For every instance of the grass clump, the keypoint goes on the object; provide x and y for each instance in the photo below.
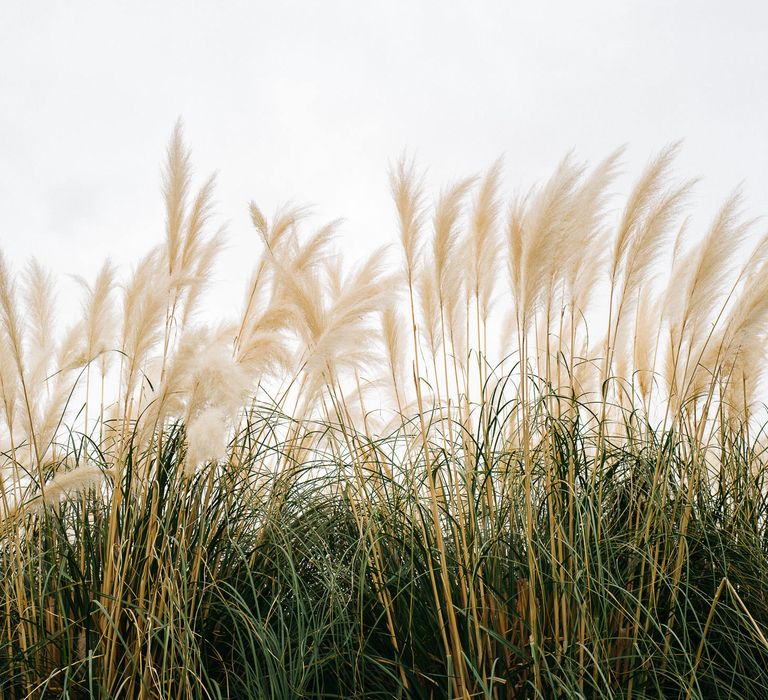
(329, 497)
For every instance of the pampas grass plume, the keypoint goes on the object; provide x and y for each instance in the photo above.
(75, 480)
(206, 439)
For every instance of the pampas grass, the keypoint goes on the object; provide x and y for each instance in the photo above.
(521, 456)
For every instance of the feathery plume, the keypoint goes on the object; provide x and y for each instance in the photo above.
(484, 241)
(587, 248)
(391, 323)
(206, 439)
(75, 480)
(144, 306)
(445, 239)
(543, 228)
(11, 321)
(407, 192)
(98, 313)
(38, 294)
(176, 183)
(700, 277)
(651, 237)
(650, 184)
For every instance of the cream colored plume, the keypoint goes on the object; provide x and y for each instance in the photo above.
(485, 244)
(99, 314)
(206, 439)
(407, 192)
(75, 480)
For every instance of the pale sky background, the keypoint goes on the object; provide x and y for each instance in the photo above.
(311, 101)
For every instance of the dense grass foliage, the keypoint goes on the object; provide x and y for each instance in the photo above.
(327, 582)
(329, 498)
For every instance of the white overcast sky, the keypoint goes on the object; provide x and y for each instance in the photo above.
(310, 102)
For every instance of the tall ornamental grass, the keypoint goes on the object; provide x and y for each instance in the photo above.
(520, 455)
